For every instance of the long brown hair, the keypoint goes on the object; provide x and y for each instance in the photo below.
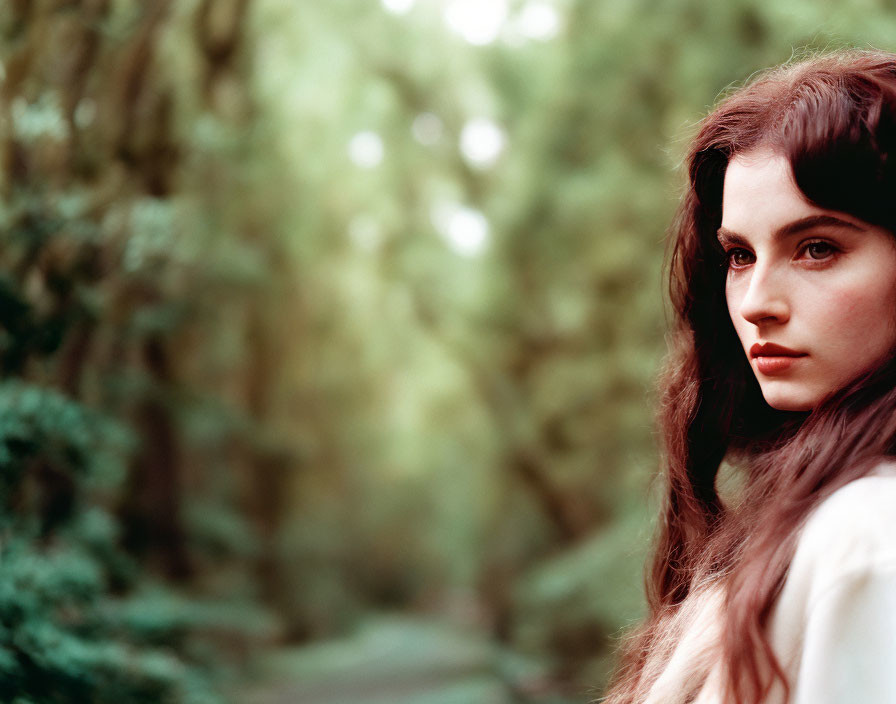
(834, 118)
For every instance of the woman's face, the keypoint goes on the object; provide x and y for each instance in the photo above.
(811, 292)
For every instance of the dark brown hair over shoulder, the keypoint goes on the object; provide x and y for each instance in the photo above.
(834, 118)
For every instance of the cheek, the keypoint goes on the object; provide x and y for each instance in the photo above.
(858, 315)
(733, 299)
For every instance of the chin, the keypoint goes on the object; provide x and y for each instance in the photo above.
(781, 400)
(793, 407)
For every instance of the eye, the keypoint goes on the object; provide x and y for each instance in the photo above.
(738, 257)
(819, 250)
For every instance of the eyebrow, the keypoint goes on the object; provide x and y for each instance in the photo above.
(808, 223)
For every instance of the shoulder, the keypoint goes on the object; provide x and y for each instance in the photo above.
(853, 531)
(836, 615)
(869, 499)
(858, 513)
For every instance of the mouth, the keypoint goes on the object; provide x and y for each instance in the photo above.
(773, 359)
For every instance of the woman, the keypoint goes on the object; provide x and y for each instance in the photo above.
(783, 281)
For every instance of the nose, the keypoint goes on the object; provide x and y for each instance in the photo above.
(766, 297)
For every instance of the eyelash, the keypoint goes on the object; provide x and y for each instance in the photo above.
(802, 250)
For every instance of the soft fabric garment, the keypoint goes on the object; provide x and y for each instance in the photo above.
(834, 623)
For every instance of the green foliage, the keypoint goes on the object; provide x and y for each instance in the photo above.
(43, 427)
(101, 272)
(478, 421)
(59, 640)
(271, 333)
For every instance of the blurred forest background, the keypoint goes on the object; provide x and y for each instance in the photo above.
(328, 332)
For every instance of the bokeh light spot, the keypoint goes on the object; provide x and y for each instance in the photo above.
(482, 141)
(427, 129)
(539, 20)
(398, 7)
(464, 229)
(366, 149)
(479, 22)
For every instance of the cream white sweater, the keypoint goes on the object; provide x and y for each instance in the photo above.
(834, 624)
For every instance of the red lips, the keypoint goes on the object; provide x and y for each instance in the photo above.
(774, 359)
(769, 349)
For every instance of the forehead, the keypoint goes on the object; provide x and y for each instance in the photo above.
(760, 196)
(759, 192)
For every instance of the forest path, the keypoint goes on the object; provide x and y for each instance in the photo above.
(399, 660)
